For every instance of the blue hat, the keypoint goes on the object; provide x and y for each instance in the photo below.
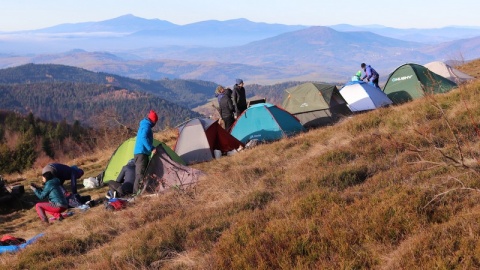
(239, 81)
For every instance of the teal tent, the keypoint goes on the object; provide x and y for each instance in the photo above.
(265, 122)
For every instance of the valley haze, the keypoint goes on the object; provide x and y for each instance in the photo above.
(221, 51)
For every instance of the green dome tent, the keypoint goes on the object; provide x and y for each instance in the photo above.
(125, 152)
(315, 104)
(412, 81)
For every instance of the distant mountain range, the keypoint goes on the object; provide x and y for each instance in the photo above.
(427, 36)
(221, 51)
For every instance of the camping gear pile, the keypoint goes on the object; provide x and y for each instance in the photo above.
(9, 193)
(12, 244)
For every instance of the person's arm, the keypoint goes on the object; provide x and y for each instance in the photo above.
(231, 108)
(369, 73)
(235, 98)
(43, 193)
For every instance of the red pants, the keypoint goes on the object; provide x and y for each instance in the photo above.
(43, 207)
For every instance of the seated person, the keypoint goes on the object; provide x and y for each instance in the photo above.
(124, 183)
(57, 203)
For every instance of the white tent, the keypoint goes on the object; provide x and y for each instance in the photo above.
(362, 96)
(448, 72)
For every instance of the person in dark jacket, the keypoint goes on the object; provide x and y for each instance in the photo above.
(64, 172)
(239, 98)
(57, 203)
(219, 92)
(370, 74)
(125, 180)
(143, 147)
(227, 109)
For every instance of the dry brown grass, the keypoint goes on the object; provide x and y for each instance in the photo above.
(382, 190)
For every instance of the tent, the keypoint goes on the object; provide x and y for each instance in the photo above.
(265, 122)
(412, 81)
(163, 173)
(362, 96)
(198, 138)
(125, 152)
(315, 104)
(448, 72)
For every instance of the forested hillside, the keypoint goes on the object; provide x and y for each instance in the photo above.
(96, 105)
(26, 139)
(187, 93)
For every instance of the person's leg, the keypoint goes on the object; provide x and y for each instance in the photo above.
(46, 207)
(73, 184)
(114, 186)
(141, 162)
(55, 211)
(228, 122)
(39, 207)
(375, 82)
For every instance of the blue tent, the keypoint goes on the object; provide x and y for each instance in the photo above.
(265, 122)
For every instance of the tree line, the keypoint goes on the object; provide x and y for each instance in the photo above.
(25, 138)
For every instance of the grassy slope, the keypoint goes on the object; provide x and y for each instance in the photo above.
(392, 188)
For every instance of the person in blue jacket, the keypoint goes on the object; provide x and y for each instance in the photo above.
(57, 203)
(143, 147)
(370, 74)
(64, 172)
(125, 180)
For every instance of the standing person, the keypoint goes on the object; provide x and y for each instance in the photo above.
(57, 203)
(219, 92)
(239, 98)
(370, 74)
(143, 147)
(64, 172)
(227, 109)
(125, 180)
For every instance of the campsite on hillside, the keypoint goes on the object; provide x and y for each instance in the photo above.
(377, 189)
(248, 135)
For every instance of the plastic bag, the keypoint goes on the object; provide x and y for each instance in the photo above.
(90, 182)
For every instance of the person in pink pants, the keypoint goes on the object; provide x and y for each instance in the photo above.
(57, 203)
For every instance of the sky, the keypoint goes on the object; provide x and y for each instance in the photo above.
(35, 14)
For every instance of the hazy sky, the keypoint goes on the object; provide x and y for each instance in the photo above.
(34, 14)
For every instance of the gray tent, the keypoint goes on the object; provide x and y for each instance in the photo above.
(198, 138)
(163, 173)
(448, 72)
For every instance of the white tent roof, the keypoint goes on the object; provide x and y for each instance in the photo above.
(362, 96)
(448, 72)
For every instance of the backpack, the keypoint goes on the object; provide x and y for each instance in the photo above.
(115, 204)
(8, 240)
